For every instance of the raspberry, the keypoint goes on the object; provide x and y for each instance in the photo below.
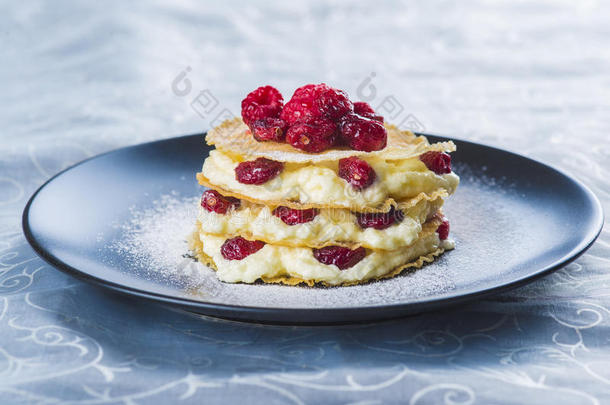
(365, 110)
(379, 220)
(438, 162)
(313, 135)
(257, 171)
(341, 257)
(356, 172)
(301, 105)
(269, 129)
(443, 229)
(333, 102)
(314, 101)
(292, 216)
(263, 102)
(239, 248)
(362, 133)
(213, 201)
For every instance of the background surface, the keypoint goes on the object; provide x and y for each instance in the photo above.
(81, 79)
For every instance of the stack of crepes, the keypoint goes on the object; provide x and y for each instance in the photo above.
(309, 225)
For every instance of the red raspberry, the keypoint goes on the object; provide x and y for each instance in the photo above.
(263, 102)
(292, 216)
(239, 248)
(257, 171)
(333, 102)
(365, 110)
(314, 101)
(443, 229)
(362, 133)
(313, 135)
(269, 129)
(438, 162)
(341, 257)
(301, 105)
(213, 201)
(356, 172)
(379, 220)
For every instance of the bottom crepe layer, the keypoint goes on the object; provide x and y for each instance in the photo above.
(297, 265)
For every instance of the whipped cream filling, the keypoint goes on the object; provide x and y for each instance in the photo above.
(281, 261)
(319, 182)
(329, 227)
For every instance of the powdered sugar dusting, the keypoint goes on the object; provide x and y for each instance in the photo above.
(156, 238)
(153, 244)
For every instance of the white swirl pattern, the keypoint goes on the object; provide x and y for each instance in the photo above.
(80, 79)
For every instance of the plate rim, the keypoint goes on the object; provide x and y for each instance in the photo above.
(434, 302)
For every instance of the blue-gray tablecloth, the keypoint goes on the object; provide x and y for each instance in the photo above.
(78, 79)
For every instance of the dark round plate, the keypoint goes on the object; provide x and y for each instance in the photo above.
(514, 220)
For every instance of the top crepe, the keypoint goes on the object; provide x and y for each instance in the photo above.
(234, 136)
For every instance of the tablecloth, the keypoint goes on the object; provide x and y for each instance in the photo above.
(78, 79)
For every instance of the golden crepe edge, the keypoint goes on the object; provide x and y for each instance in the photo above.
(233, 136)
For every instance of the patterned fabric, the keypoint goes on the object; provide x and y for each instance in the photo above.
(79, 79)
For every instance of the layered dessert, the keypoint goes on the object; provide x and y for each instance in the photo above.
(319, 190)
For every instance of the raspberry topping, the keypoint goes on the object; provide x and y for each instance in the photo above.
(379, 220)
(302, 104)
(365, 110)
(356, 172)
(443, 229)
(312, 135)
(306, 120)
(213, 201)
(333, 102)
(257, 171)
(438, 162)
(341, 257)
(292, 216)
(263, 102)
(269, 129)
(239, 248)
(316, 100)
(362, 133)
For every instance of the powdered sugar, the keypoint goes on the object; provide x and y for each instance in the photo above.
(155, 238)
(153, 244)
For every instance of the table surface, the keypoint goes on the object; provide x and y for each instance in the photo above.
(80, 79)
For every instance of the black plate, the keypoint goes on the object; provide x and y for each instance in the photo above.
(514, 220)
